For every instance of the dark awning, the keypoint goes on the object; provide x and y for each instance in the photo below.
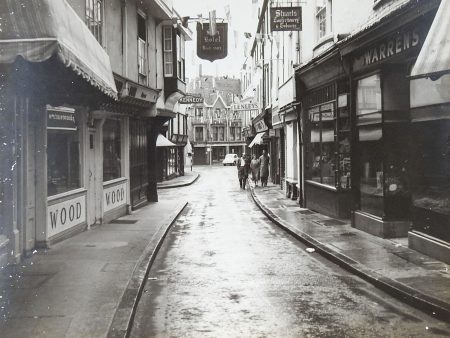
(36, 30)
(434, 57)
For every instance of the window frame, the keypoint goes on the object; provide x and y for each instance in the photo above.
(96, 21)
(168, 41)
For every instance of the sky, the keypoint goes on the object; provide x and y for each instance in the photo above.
(241, 21)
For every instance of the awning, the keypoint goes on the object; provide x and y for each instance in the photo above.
(434, 57)
(257, 140)
(162, 141)
(39, 29)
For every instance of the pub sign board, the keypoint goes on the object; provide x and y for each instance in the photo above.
(189, 99)
(286, 19)
(212, 47)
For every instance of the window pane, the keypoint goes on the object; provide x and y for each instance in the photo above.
(368, 95)
(111, 150)
(63, 161)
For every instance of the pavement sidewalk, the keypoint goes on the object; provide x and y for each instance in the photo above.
(87, 285)
(389, 264)
(180, 181)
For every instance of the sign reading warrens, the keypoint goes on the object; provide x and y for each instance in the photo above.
(189, 99)
(114, 196)
(64, 215)
(212, 47)
(286, 19)
(244, 106)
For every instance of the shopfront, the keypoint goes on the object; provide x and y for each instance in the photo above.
(46, 101)
(381, 153)
(324, 90)
(430, 143)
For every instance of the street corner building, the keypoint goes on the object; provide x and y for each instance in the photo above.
(355, 112)
(85, 89)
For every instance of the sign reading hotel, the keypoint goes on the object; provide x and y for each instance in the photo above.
(64, 215)
(212, 47)
(390, 47)
(190, 99)
(244, 106)
(286, 19)
(114, 196)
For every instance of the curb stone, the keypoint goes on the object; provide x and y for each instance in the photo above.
(123, 318)
(413, 297)
(180, 184)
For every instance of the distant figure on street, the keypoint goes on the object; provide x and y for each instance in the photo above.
(243, 166)
(264, 168)
(254, 166)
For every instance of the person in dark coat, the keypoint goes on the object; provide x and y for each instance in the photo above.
(243, 166)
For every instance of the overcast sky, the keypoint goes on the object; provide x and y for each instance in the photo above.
(241, 21)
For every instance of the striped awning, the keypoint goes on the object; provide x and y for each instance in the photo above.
(36, 30)
(434, 57)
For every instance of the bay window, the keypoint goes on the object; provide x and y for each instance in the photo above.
(168, 51)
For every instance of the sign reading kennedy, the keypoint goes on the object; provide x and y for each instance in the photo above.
(188, 99)
(212, 47)
(286, 19)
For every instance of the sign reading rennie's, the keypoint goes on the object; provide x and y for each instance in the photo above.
(286, 19)
(212, 47)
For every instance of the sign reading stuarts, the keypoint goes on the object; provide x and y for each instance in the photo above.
(286, 19)
(212, 47)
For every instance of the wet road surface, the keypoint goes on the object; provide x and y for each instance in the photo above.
(226, 270)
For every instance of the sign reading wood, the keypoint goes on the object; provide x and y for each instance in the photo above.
(212, 47)
(189, 99)
(286, 19)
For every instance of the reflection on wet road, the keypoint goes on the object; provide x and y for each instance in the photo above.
(225, 270)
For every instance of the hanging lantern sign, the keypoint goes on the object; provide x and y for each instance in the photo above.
(286, 19)
(212, 47)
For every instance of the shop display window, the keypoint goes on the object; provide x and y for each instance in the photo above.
(171, 161)
(431, 177)
(368, 111)
(112, 150)
(344, 155)
(63, 161)
(323, 146)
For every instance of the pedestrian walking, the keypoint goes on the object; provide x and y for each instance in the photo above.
(264, 168)
(243, 166)
(254, 167)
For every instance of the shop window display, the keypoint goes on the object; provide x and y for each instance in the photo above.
(431, 178)
(368, 107)
(323, 146)
(63, 161)
(111, 150)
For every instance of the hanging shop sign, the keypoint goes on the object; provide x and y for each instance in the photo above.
(61, 118)
(244, 106)
(189, 99)
(212, 47)
(286, 19)
(260, 126)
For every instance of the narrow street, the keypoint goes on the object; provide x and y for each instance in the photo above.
(226, 270)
